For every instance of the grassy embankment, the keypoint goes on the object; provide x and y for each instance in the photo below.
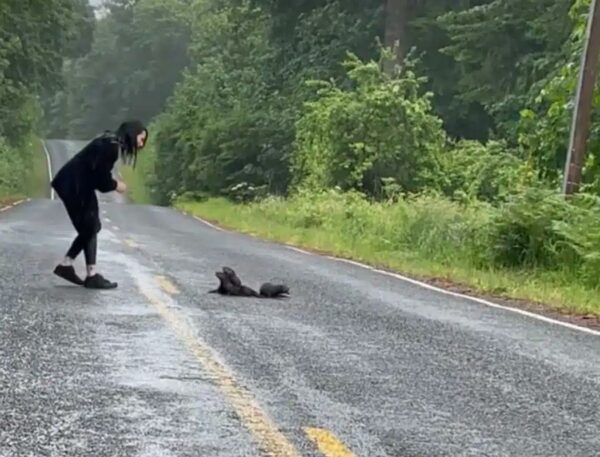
(408, 239)
(23, 173)
(136, 178)
(426, 238)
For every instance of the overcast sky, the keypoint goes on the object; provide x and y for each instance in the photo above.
(95, 3)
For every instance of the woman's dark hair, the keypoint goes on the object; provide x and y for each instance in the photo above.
(127, 134)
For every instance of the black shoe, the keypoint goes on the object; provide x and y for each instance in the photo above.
(68, 274)
(98, 282)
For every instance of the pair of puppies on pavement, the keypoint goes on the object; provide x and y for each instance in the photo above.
(230, 284)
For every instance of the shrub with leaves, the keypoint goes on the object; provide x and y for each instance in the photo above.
(420, 226)
(216, 131)
(524, 232)
(473, 170)
(380, 128)
(13, 169)
(582, 233)
(545, 122)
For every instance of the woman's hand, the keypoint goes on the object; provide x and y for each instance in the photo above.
(121, 187)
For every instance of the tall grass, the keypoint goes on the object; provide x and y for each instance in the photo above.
(38, 181)
(139, 179)
(532, 247)
(23, 170)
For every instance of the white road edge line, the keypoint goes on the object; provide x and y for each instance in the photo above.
(209, 224)
(49, 169)
(437, 289)
(7, 207)
(12, 205)
(468, 297)
(301, 251)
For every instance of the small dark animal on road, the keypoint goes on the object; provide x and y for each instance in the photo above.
(230, 284)
(233, 277)
(270, 290)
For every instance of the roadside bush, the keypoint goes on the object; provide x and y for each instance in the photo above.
(13, 169)
(430, 226)
(524, 233)
(534, 230)
(489, 172)
(381, 127)
(582, 233)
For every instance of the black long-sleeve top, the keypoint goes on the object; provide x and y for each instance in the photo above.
(89, 170)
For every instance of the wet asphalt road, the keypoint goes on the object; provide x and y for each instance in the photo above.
(158, 367)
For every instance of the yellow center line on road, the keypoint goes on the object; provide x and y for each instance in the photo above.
(267, 435)
(167, 285)
(130, 243)
(328, 443)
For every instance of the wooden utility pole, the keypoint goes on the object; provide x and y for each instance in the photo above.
(583, 102)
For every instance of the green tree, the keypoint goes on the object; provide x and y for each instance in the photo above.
(137, 57)
(35, 37)
(504, 50)
(218, 126)
(546, 120)
(381, 128)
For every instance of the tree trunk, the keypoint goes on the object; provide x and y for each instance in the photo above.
(395, 12)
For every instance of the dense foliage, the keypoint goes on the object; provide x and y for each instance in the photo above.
(35, 38)
(254, 94)
(351, 138)
(251, 98)
(138, 53)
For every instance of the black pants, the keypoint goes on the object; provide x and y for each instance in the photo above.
(86, 220)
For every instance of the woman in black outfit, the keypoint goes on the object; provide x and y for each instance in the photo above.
(76, 184)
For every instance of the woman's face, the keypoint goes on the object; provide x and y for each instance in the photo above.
(141, 140)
